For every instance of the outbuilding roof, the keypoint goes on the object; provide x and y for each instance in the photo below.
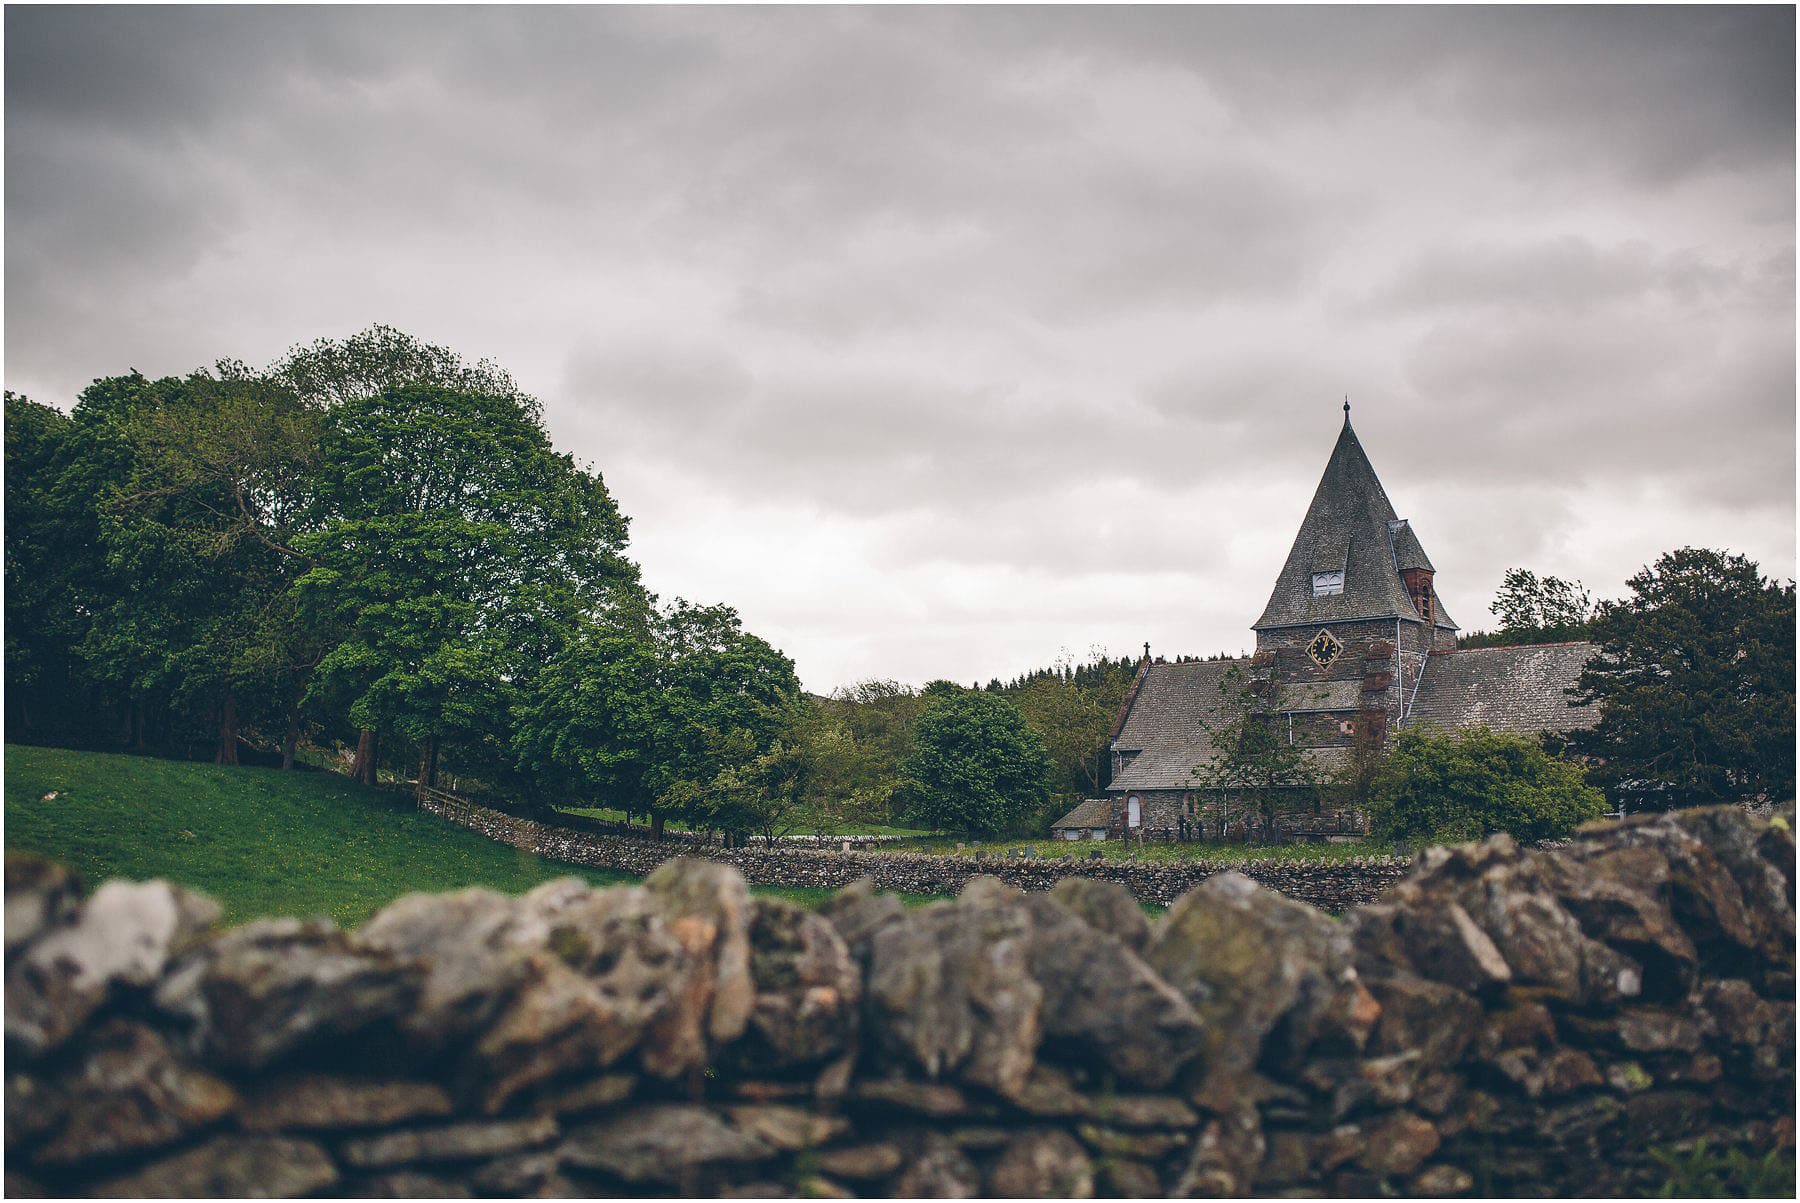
(1514, 689)
(1092, 813)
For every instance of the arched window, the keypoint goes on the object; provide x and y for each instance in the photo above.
(1134, 811)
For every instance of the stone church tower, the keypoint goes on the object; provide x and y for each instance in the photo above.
(1341, 646)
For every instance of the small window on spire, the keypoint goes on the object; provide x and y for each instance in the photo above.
(1327, 583)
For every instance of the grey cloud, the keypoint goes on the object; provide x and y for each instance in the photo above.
(990, 295)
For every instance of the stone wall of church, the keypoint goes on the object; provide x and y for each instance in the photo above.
(1367, 657)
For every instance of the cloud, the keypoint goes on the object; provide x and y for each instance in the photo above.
(937, 339)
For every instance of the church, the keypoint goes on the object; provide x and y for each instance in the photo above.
(1353, 644)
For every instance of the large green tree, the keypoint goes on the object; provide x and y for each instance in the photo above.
(451, 542)
(1469, 784)
(976, 765)
(1695, 685)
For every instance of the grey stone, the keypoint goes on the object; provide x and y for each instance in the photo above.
(789, 1129)
(322, 1102)
(1226, 1157)
(1621, 896)
(409, 1184)
(1550, 1073)
(123, 936)
(1043, 1163)
(937, 1169)
(1397, 1144)
(1440, 1182)
(859, 1163)
(808, 991)
(1105, 906)
(1437, 1020)
(1144, 1111)
(258, 993)
(1118, 1142)
(126, 1094)
(468, 1141)
(707, 907)
(1049, 1092)
(595, 1094)
(1130, 1179)
(1445, 945)
(1656, 1030)
(1103, 1004)
(858, 912)
(950, 991)
(473, 965)
(1267, 976)
(664, 1143)
(242, 1167)
(519, 1175)
(933, 1099)
(41, 895)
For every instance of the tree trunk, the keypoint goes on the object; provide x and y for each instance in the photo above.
(290, 741)
(227, 752)
(363, 767)
(656, 825)
(428, 756)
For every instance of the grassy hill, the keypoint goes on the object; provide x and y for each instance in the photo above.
(261, 841)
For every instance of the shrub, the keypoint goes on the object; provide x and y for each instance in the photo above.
(976, 767)
(1474, 783)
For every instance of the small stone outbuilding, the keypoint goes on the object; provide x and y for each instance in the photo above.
(1089, 821)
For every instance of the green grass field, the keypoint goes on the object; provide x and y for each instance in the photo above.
(261, 841)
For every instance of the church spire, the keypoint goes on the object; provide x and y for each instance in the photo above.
(1344, 564)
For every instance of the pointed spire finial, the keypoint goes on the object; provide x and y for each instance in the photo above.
(1346, 407)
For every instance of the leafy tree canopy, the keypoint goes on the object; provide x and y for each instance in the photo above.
(976, 766)
(1695, 681)
(1253, 761)
(1473, 783)
(1534, 609)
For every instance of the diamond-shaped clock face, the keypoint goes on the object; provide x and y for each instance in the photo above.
(1324, 649)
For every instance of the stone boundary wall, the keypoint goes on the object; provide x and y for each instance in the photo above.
(1329, 885)
(630, 831)
(1503, 1022)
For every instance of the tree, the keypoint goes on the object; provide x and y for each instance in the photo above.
(450, 542)
(1074, 716)
(724, 697)
(1695, 684)
(976, 766)
(1252, 762)
(1535, 609)
(1470, 784)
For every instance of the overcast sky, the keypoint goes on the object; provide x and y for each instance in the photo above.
(942, 341)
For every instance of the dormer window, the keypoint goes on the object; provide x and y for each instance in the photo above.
(1325, 584)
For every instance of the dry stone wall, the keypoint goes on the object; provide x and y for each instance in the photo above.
(1330, 885)
(1503, 1021)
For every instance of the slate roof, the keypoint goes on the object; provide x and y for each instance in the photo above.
(1169, 720)
(1093, 812)
(1350, 527)
(1407, 551)
(1512, 689)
